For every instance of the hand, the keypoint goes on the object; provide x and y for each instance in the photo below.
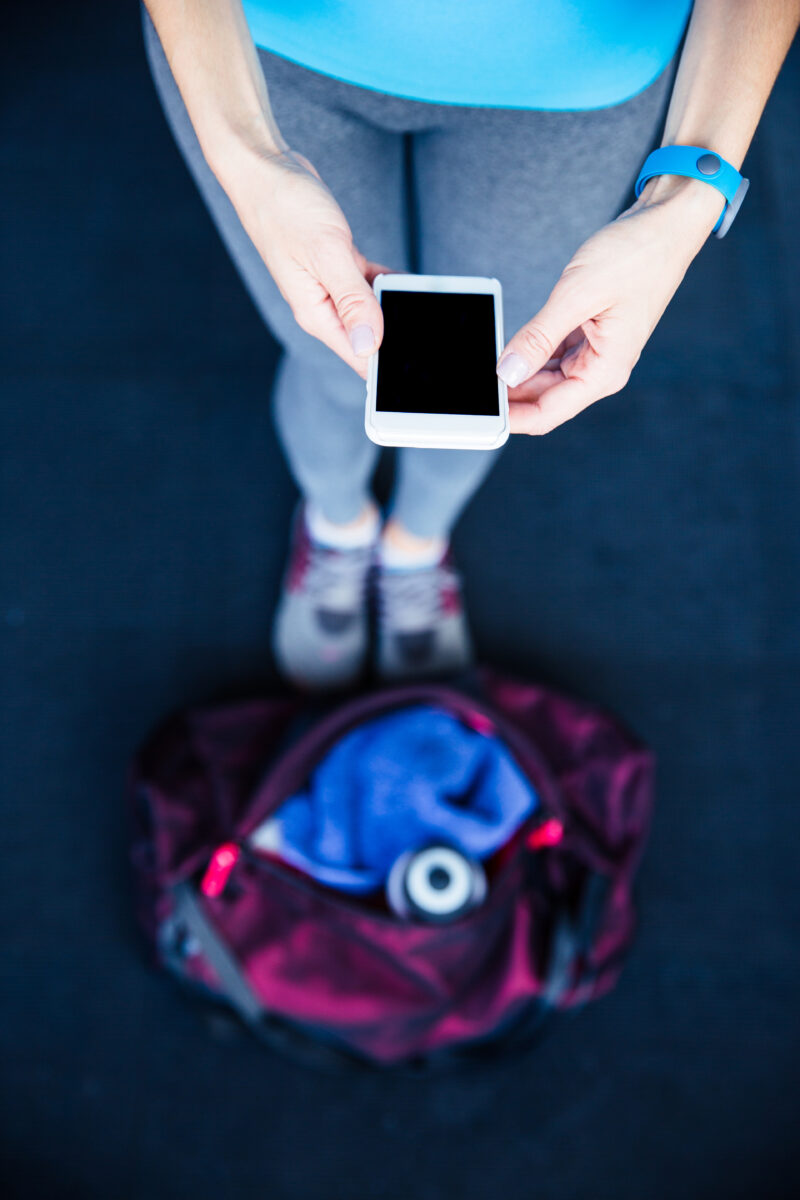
(585, 341)
(307, 245)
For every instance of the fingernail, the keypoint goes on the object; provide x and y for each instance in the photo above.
(513, 369)
(362, 339)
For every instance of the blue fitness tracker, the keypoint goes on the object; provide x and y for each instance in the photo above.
(697, 163)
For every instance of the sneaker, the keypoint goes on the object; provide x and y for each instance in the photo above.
(422, 629)
(320, 633)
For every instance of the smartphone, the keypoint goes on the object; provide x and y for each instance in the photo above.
(432, 382)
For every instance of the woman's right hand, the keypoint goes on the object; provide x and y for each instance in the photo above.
(306, 243)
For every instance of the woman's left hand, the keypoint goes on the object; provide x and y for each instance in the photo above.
(585, 341)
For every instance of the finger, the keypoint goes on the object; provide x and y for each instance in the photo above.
(570, 342)
(555, 406)
(533, 388)
(537, 342)
(323, 323)
(566, 398)
(564, 345)
(368, 268)
(353, 298)
(371, 269)
(574, 354)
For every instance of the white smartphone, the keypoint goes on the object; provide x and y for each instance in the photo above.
(433, 381)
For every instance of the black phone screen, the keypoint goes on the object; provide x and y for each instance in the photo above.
(438, 354)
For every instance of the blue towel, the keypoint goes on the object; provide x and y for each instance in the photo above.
(396, 783)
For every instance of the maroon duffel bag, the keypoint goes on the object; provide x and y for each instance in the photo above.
(343, 979)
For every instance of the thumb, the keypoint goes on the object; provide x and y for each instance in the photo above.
(354, 300)
(537, 341)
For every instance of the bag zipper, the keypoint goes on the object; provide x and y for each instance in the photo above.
(540, 831)
(472, 713)
(310, 886)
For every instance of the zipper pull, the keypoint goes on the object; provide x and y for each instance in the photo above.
(479, 722)
(549, 833)
(223, 860)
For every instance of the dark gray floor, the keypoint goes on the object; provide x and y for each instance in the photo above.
(644, 555)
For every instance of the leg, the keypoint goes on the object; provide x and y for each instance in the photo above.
(318, 399)
(513, 193)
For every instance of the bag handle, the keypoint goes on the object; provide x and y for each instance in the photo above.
(291, 770)
(321, 1048)
(278, 1033)
(315, 1047)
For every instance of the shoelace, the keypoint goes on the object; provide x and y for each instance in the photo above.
(337, 576)
(410, 600)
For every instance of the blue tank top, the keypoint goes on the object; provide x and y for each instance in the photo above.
(548, 54)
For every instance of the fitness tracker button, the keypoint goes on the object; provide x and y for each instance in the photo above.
(708, 164)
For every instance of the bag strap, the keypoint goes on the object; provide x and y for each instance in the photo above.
(188, 915)
(573, 936)
(319, 1047)
(275, 1031)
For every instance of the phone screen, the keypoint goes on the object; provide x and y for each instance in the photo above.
(438, 354)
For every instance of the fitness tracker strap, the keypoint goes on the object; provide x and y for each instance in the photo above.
(697, 163)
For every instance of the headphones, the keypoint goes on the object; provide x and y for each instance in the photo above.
(436, 883)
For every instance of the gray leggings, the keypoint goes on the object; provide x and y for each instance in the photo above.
(495, 191)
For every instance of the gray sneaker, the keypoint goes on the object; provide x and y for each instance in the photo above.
(321, 630)
(422, 629)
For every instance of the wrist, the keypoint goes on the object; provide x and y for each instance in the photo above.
(234, 147)
(694, 205)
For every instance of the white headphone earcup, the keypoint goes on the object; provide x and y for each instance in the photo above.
(437, 883)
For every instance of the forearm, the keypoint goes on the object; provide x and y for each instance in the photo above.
(215, 65)
(731, 58)
(584, 342)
